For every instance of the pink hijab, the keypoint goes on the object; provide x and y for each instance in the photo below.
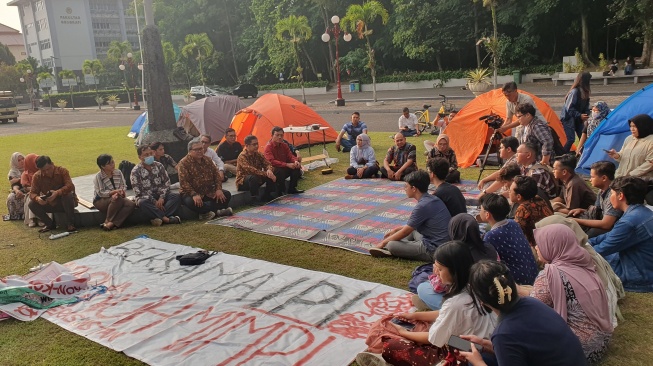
(558, 246)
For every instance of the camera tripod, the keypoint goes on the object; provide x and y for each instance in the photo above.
(496, 137)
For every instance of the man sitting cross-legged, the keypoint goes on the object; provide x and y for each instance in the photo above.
(152, 189)
(228, 151)
(426, 229)
(400, 160)
(508, 239)
(574, 193)
(200, 184)
(628, 247)
(531, 208)
(408, 123)
(600, 218)
(527, 160)
(508, 153)
(284, 162)
(449, 194)
(52, 191)
(252, 171)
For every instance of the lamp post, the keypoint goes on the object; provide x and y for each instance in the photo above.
(122, 67)
(340, 101)
(28, 80)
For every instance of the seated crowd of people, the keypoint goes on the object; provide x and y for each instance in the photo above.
(539, 287)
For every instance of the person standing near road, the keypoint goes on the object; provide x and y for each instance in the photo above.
(352, 129)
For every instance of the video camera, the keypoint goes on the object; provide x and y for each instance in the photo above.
(492, 120)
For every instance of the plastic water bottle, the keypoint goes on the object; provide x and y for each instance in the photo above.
(57, 236)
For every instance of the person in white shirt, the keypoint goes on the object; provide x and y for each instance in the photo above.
(513, 100)
(206, 142)
(408, 123)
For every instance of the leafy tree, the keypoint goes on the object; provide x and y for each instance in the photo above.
(118, 50)
(10, 78)
(492, 44)
(359, 18)
(637, 14)
(200, 45)
(6, 56)
(93, 68)
(169, 55)
(295, 30)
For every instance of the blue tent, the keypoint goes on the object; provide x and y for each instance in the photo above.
(142, 118)
(612, 132)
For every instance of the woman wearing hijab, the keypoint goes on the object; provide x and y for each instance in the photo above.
(26, 181)
(362, 160)
(600, 110)
(570, 285)
(16, 199)
(464, 228)
(576, 109)
(443, 150)
(636, 155)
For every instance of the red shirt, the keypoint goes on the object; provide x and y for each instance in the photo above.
(278, 154)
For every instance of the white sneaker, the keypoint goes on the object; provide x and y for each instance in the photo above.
(370, 359)
(156, 222)
(207, 216)
(225, 212)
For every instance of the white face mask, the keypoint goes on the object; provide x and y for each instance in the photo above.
(595, 115)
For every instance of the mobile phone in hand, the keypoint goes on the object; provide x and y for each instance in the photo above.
(462, 345)
(403, 323)
(607, 151)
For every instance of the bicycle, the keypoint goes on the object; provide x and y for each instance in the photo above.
(423, 119)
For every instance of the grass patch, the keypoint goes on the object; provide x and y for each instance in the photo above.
(43, 343)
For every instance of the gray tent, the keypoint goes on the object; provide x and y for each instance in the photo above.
(211, 115)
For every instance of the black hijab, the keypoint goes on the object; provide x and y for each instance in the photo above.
(464, 227)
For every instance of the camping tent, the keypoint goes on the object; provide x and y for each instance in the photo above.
(137, 126)
(279, 110)
(468, 134)
(614, 129)
(211, 115)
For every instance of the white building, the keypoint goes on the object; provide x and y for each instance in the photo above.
(64, 33)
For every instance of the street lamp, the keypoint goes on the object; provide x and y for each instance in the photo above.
(340, 101)
(122, 67)
(28, 80)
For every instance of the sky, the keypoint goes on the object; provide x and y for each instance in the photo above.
(9, 15)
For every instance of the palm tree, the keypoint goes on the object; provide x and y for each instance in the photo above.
(42, 76)
(359, 18)
(92, 67)
(295, 30)
(68, 74)
(118, 50)
(169, 55)
(201, 45)
(493, 43)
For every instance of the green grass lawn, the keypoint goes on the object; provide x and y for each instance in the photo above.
(42, 343)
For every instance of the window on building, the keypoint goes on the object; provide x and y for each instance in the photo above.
(101, 25)
(44, 44)
(41, 24)
(39, 5)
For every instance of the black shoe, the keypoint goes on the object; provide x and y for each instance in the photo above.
(267, 198)
(295, 191)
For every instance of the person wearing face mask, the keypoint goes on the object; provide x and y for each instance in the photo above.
(152, 189)
(600, 110)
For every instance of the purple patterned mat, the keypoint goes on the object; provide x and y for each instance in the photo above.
(349, 214)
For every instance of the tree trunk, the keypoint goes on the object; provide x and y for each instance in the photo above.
(370, 55)
(231, 40)
(585, 38)
(310, 60)
(330, 61)
(438, 60)
(300, 72)
(478, 46)
(647, 50)
(495, 57)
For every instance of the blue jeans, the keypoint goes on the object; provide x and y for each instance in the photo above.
(572, 128)
(430, 297)
(408, 133)
(347, 144)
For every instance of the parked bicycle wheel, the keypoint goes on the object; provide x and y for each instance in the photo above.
(422, 121)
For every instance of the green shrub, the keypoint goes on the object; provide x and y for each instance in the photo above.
(307, 84)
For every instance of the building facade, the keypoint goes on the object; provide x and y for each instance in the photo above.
(64, 33)
(12, 38)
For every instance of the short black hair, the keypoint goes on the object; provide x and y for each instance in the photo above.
(103, 160)
(418, 179)
(229, 129)
(276, 129)
(525, 186)
(483, 287)
(509, 86)
(496, 204)
(568, 162)
(139, 149)
(603, 167)
(644, 124)
(633, 188)
(405, 109)
(509, 172)
(155, 145)
(356, 113)
(510, 142)
(249, 139)
(439, 167)
(526, 108)
(42, 161)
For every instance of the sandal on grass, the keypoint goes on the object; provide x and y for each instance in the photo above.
(45, 229)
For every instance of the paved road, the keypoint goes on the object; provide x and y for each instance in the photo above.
(379, 118)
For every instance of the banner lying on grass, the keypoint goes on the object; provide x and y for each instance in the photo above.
(229, 311)
(349, 214)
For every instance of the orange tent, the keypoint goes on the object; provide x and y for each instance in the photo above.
(468, 135)
(279, 110)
